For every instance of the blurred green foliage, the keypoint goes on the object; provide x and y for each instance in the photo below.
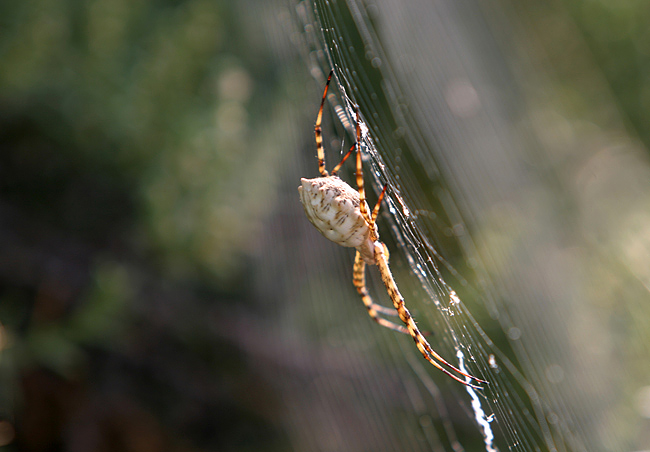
(140, 111)
(617, 34)
(134, 172)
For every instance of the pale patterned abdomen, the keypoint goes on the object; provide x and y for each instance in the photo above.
(333, 207)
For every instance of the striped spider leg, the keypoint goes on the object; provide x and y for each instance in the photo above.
(341, 214)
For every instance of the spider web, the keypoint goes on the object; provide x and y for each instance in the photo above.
(495, 278)
(398, 135)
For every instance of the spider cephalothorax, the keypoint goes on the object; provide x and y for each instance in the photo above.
(341, 214)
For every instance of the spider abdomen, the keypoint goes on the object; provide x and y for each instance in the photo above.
(333, 207)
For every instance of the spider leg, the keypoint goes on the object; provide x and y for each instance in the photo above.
(359, 277)
(375, 211)
(363, 206)
(420, 341)
(345, 157)
(318, 132)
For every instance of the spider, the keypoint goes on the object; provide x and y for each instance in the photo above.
(341, 214)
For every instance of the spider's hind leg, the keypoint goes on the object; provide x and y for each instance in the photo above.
(421, 343)
(374, 309)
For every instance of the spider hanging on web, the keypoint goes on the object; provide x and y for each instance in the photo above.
(341, 214)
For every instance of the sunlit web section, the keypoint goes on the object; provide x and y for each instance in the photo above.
(396, 152)
(413, 132)
(444, 148)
